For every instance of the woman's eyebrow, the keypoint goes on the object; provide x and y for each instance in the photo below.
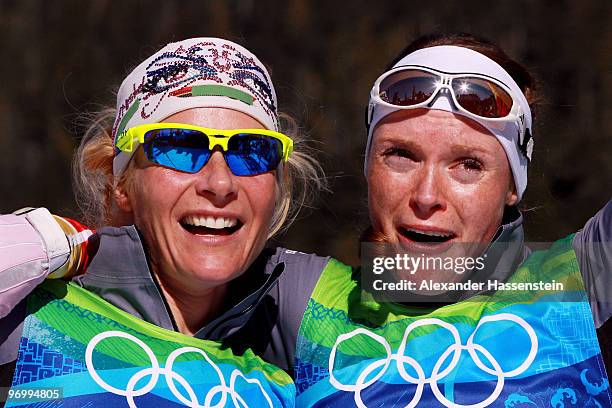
(399, 141)
(455, 149)
(467, 150)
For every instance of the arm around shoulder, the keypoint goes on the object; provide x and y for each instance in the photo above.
(593, 246)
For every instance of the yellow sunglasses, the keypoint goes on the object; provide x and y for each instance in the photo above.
(188, 148)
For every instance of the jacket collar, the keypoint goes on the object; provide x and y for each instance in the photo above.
(504, 254)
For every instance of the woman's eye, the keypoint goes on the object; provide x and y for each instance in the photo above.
(468, 170)
(471, 164)
(398, 152)
(399, 159)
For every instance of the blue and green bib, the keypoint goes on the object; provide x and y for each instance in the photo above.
(101, 356)
(532, 350)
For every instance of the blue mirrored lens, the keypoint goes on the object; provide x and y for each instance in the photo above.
(250, 154)
(180, 149)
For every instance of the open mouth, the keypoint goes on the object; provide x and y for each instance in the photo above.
(426, 237)
(200, 225)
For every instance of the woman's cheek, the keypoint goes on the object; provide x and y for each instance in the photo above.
(389, 196)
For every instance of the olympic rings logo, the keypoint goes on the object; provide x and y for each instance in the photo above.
(436, 374)
(171, 376)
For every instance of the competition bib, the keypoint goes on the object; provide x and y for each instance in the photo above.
(495, 351)
(95, 355)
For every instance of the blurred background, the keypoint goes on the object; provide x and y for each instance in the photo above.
(62, 59)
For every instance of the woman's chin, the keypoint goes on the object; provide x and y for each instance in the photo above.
(198, 277)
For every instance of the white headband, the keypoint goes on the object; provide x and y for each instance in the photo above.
(456, 60)
(194, 73)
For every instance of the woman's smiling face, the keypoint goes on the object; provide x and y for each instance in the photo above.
(436, 177)
(203, 229)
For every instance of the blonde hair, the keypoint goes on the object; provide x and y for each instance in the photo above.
(298, 181)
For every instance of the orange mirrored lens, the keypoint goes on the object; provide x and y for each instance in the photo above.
(481, 97)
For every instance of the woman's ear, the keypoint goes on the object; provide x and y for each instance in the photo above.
(511, 195)
(122, 199)
(121, 209)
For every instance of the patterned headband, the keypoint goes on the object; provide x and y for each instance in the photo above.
(194, 73)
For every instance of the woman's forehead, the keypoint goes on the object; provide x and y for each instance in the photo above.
(434, 128)
(424, 120)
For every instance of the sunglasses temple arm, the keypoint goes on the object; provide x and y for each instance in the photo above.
(125, 141)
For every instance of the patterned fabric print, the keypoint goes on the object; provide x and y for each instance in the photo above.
(42, 297)
(204, 61)
(320, 312)
(353, 351)
(308, 374)
(117, 360)
(559, 390)
(38, 362)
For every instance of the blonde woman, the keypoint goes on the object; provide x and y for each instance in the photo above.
(185, 185)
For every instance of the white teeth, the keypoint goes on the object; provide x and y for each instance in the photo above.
(219, 223)
(210, 222)
(430, 233)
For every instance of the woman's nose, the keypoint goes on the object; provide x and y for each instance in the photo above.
(428, 194)
(216, 181)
